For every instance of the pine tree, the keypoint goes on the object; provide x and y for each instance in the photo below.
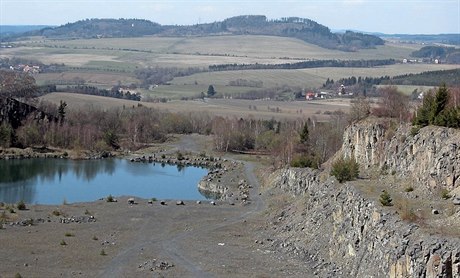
(385, 199)
(304, 135)
(211, 92)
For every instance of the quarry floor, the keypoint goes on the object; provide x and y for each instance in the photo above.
(146, 240)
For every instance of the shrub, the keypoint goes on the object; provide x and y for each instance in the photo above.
(3, 219)
(345, 169)
(21, 205)
(179, 156)
(87, 212)
(95, 238)
(68, 234)
(102, 253)
(409, 189)
(110, 199)
(304, 161)
(414, 130)
(385, 199)
(445, 194)
(63, 243)
(56, 212)
(17, 275)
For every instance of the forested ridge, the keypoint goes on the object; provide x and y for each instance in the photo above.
(293, 27)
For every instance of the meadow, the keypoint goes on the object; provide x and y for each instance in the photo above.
(260, 109)
(110, 61)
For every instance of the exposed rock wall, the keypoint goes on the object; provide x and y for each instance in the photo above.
(431, 157)
(345, 235)
(14, 112)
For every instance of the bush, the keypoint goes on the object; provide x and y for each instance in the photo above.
(68, 234)
(21, 205)
(110, 199)
(385, 199)
(304, 161)
(409, 189)
(445, 194)
(345, 169)
(63, 243)
(102, 253)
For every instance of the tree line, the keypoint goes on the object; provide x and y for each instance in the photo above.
(114, 92)
(305, 65)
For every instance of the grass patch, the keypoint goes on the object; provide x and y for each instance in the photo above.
(445, 194)
(408, 189)
(21, 205)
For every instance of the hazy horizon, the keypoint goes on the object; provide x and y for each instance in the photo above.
(377, 16)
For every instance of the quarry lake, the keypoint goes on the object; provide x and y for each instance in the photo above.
(55, 181)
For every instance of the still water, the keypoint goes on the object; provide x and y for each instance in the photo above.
(55, 181)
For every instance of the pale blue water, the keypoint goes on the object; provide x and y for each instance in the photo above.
(53, 181)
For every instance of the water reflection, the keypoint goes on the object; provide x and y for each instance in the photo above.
(51, 181)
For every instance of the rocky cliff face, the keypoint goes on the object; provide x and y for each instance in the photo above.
(14, 112)
(345, 234)
(431, 157)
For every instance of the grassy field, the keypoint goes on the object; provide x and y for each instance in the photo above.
(191, 51)
(223, 107)
(260, 47)
(106, 62)
(303, 78)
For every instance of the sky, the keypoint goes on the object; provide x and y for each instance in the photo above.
(385, 16)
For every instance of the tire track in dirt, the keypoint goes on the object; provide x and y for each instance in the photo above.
(125, 259)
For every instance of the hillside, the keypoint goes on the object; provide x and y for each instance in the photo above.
(293, 27)
(6, 30)
(444, 54)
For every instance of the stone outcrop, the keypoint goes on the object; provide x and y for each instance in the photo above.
(431, 156)
(342, 233)
(345, 235)
(14, 112)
